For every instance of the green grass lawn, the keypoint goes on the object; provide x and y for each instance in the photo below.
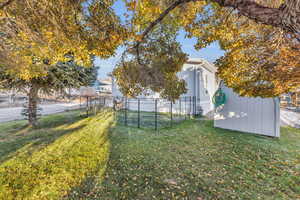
(49, 161)
(196, 161)
(68, 157)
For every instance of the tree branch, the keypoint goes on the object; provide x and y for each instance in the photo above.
(154, 23)
(162, 16)
(4, 4)
(286, 17)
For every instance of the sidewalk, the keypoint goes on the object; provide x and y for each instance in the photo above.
(10, 114)
(290, 118)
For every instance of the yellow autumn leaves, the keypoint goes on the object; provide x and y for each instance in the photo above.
(42, 32)
(46, 30)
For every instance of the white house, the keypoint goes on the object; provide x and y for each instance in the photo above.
(252, 115)
(201, 81)
(104, 85)
(200, 76)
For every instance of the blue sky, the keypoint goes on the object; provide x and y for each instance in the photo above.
(211, 53)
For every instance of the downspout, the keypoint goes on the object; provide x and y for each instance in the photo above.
(195, 90)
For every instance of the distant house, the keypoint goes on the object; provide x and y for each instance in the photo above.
(104, 85)
(201, 81)
(291, 99)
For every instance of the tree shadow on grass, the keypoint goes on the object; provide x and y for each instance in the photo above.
(55, 120)
(20, 127)
(32, 142)
(25, 139)
(88, 186)
(195, 159)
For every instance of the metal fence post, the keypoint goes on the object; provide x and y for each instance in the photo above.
(114, 103)
(87, 106)
(180, 108)
(155, 114)
(126, 111)
(139, 114)
(80, 105)
(171, 113)
(80, 102)
(190, 110)
(195, 106)
(185, 111)
(94, 106)
(97, 105)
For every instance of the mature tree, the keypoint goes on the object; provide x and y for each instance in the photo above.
(159, 61)
(35, 35)
(260, 60)
(50, 29)
(59, 77)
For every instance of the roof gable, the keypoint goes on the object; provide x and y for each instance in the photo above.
(200, 63)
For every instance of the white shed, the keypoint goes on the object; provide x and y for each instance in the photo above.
(253, 115)
(201, 81)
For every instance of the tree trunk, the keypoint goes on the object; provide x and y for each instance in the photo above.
(4, 4)
(286, 17)
(32, 106)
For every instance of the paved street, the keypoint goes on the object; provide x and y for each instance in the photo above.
(9, 114)
(290, 118)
